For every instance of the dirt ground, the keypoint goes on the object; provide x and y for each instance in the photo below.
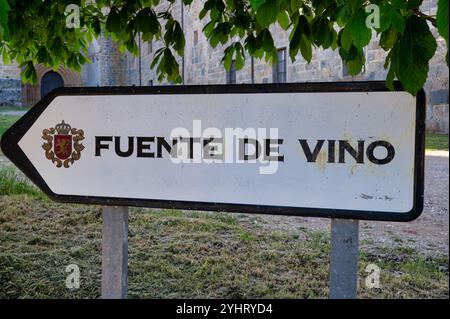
(428, 235)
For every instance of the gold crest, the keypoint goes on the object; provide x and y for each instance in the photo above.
(62, 144)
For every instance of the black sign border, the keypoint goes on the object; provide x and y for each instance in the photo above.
(10, 139)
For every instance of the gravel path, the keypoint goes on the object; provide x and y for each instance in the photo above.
(14, 113)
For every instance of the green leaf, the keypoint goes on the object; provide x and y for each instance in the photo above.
(283, 19)
(400, 4)
(412, 4)
(354, 5)
(294, 44)
(178, 39)
(28, 72)
(297, 42)
(390, 79)
(113, 21)
(256, 4)
(5, 56)
(168, 67)
(398, 21)
(328, 40)
(343, 16)
(346, 38)
(267, 41)
(321, 33)
(240, 60)
(442, 19)
(334, 42)
(267, 13)
(147, 23)
(348, 55)
(146, 3)
(97, 27)
(228, 57)
(208, 29)
(156, 58)
(295, 5)
(43, 56)
(4, 9)
(385, 17)
(388, 38)
(412, 53)
(355, 65)
(361, 34)
(305, 48)
(33, 32)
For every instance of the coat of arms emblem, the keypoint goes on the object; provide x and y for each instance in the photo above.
(62, 144)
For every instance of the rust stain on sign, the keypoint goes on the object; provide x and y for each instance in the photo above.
(383, 197)
(321, 161)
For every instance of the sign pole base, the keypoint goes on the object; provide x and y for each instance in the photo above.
(115, 252)
(344, 258)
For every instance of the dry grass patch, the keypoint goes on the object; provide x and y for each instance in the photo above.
(174, 254)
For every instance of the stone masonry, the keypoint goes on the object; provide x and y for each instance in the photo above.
(10, 85)
(201, 64)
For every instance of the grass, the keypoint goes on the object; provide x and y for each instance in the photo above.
(436, 142)
(175, 254)
(12, 182)
(14, 108)
(6, 121)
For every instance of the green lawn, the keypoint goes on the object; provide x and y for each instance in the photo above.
(6, 121)
(14, 108)
(436, 142)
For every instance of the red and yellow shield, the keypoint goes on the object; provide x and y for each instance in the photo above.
(62, 144)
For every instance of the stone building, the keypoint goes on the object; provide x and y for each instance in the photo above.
(10, 85)
(201, 64)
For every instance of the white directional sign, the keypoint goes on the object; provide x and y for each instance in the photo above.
(333, 150)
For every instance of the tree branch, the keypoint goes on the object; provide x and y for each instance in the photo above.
(425, 16)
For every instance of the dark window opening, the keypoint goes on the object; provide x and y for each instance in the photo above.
(195, 37)
(231, 74)
(50, 81)
(279, 69)
(150, 47)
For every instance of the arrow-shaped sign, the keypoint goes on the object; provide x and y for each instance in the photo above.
(347, 150)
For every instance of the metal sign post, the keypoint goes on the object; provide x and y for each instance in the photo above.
(115, 252)
(344, 258)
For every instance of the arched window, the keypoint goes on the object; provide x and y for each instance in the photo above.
(51, 80)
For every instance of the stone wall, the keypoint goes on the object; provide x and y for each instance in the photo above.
(202, 65)
(112, 64)
(90, 73)
(10, 85)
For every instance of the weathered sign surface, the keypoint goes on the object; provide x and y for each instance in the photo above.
(346, 150)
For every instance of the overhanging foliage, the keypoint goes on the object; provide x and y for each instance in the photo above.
(35, 31)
